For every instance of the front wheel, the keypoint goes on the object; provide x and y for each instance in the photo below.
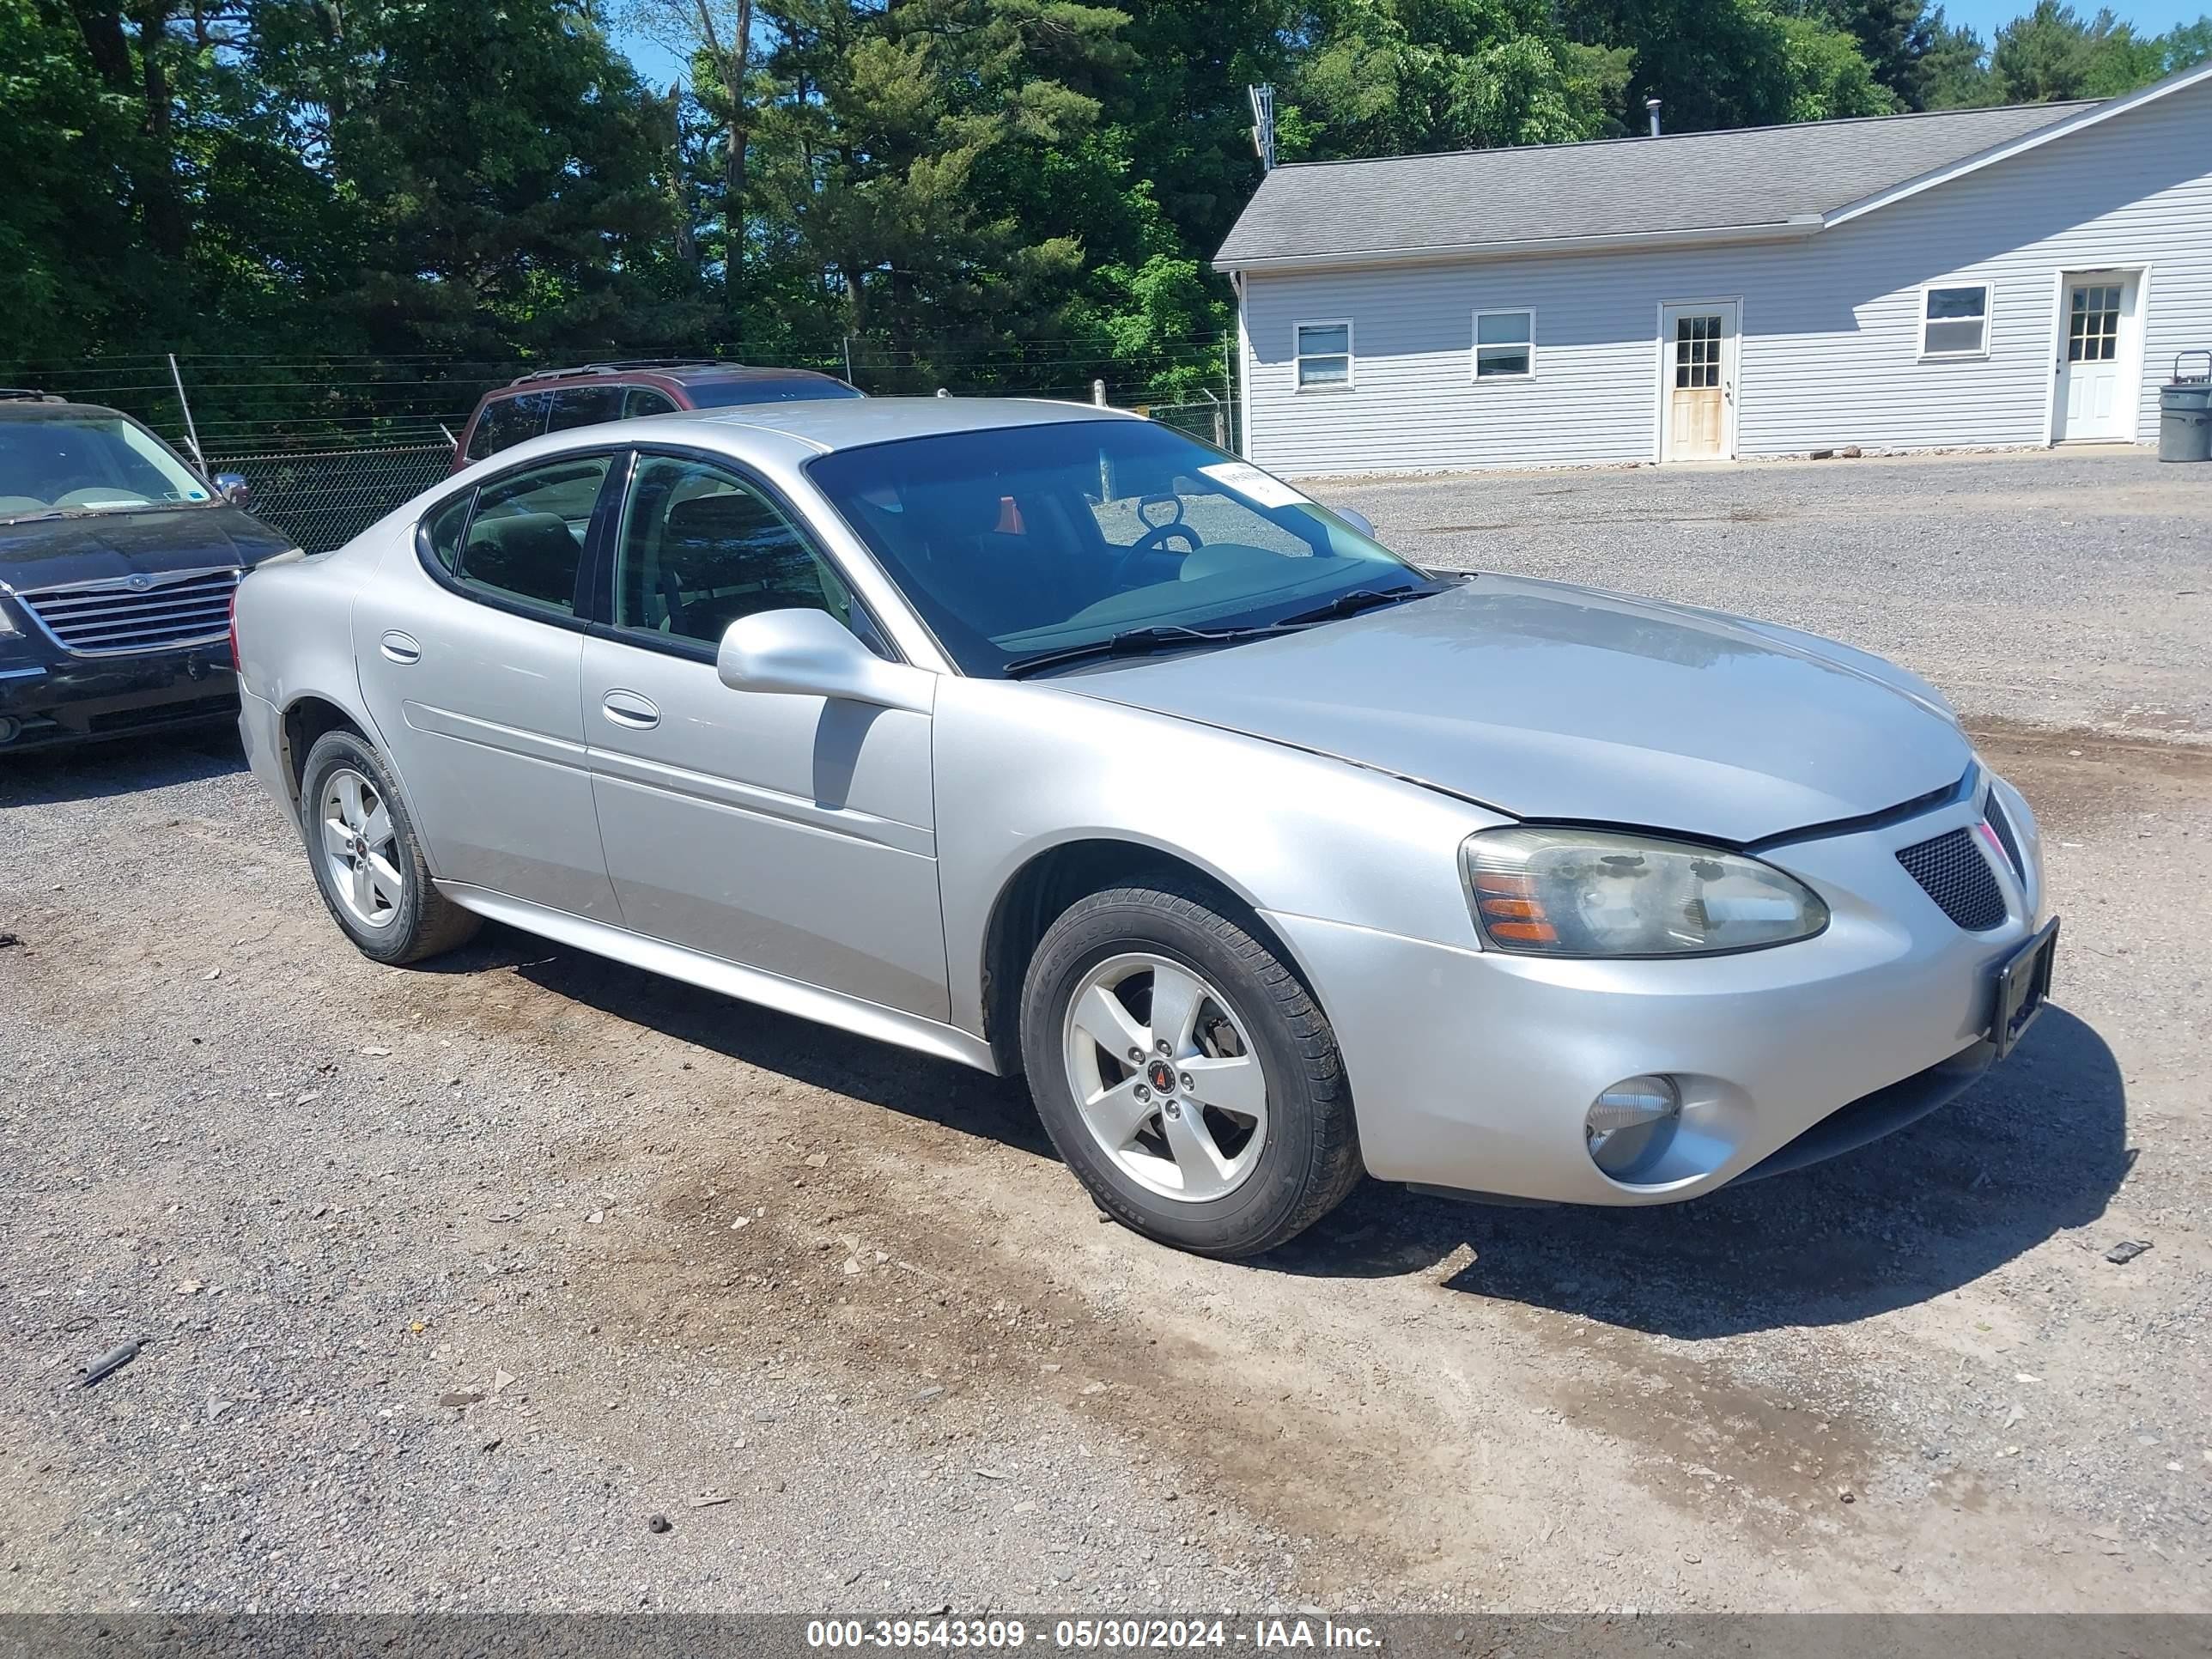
(368, 858)
(1184, 1072)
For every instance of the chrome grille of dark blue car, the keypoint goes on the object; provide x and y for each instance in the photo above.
(2001, 823)
(113, 618)
(1952, 870)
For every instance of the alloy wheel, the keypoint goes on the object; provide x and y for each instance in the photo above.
(1166, 1078)
(360, 849)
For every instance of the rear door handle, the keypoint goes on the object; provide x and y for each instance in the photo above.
(400, 647)
(629, 708)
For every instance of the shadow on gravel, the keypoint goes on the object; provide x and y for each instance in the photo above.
(877, 1073)
(121, 767)
(2036, 1147)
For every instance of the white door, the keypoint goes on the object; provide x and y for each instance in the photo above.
(1697, 380)
(2097, 353)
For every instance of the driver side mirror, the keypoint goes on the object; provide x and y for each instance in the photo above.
(233, 488)
(809, 654)
(1357, 519)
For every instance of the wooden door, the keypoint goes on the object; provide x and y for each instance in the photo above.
(1697, 388)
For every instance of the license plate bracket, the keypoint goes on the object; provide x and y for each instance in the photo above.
(2023, 987)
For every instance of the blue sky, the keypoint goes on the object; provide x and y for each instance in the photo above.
(1986, 17)
(660, 66)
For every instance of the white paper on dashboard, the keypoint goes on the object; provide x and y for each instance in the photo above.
(1255, 485)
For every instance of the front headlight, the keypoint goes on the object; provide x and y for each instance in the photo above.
(1592, 893)
(8, 629)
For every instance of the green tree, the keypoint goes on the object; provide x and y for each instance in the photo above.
(1954, 71)
(2052, 52)
(1385, 77)
(501, 172)
(1730, 62)
(1894, 36)
(930, 162)
(1827, 76)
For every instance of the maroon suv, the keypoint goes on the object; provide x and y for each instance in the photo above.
(555, 399)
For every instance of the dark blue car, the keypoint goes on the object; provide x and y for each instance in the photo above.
(118, 562)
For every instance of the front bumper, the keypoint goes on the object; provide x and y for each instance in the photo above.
(49, 700)
(1472, 1070)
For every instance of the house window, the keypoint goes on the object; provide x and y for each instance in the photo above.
(1324, 356)
(1505, 345)
(1955, 322)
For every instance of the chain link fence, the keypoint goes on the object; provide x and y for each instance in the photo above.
(329, 445)
(1210, 420)
(323, 499)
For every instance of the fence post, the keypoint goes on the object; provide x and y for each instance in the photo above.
(191, 432)
(1098, 393)
(1230, 342)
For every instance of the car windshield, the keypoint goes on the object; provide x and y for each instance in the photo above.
(727, 394)
(89, 464)
(1016, 542)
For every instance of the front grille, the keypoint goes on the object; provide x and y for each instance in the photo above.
(110, 619)
(2001, 822)
(1952, 870)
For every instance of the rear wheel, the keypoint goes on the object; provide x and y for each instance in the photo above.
(1184, 1072)
(367, 860)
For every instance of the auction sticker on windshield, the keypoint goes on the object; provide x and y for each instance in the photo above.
(1253, 485)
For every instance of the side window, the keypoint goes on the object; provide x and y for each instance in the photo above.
(585, 406)
(526, 538)
(1955, 322)
(699, 548)
(443, 530)
(1505, 345)
(1321, 356)
(644, 400)
(506, 421)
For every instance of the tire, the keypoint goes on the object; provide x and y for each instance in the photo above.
(1255, 1180)
(415, 922)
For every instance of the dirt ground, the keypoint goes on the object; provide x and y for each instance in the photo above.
(451, 1278)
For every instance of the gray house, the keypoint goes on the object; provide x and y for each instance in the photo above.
(2007, 276)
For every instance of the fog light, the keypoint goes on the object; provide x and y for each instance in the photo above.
(1630, 1121)
(10, 728)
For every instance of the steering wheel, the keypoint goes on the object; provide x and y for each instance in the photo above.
(1156, 538)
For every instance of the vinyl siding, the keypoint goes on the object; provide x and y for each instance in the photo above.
(1829, 350)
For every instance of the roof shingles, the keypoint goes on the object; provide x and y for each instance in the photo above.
(1405, 205)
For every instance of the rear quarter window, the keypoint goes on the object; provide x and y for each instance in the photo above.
(585, 406)
(506, 421)
(442, 529)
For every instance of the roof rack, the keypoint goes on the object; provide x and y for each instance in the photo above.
(26, 394)
(617, 367)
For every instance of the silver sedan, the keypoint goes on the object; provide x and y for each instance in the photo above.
(1045, 739)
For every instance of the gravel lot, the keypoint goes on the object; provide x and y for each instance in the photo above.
(832, 1309)
(2072, 588)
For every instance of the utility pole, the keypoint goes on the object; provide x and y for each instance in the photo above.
(1263, 124)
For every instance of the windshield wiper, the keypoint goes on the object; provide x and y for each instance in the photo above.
(1132, 642)
(1351, 604)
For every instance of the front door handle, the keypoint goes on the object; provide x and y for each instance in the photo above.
(400, 647)
(629, 708)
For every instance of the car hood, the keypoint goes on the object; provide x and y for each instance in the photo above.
(48, 552)
(1550, 702)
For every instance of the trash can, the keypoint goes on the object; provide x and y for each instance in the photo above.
(2184, 413)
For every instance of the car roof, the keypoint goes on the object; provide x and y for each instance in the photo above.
(832, 423)
(42, 409)
(671, 370)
